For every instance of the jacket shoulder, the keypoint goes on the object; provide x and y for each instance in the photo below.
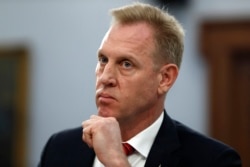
(66, 148)
(199, 148)
(68, 135)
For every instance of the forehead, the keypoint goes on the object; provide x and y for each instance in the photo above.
(136, 38)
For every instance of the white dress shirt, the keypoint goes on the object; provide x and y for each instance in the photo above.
(142, 142)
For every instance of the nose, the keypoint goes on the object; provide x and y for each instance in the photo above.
(106, 75)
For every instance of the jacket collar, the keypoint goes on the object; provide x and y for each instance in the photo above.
(166, 142)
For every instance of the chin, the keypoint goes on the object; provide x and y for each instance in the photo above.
(104, 113)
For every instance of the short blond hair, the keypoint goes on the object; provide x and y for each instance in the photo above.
(168, 32)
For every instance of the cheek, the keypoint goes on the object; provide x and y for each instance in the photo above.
(97, 79)
(149, 87)
(141, 89)
(96, 82)
(98, 72)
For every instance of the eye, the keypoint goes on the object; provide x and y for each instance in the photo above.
(103, 59)
(126, 64)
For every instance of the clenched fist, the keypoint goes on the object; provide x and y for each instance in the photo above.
(104, 136)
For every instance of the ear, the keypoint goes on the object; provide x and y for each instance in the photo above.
(167, 76)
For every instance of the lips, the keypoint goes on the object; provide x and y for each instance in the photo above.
(104, 97)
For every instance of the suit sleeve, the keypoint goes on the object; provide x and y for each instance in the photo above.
(227, 158)
(45, 152)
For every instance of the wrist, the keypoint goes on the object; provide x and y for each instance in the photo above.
(118, 162)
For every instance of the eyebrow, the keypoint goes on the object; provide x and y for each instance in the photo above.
(98, 52)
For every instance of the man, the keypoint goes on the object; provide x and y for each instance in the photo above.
(138, 62)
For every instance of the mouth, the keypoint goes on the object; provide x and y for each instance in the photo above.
(104, 98)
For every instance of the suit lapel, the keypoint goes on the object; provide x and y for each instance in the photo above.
(165, 143)
(87, 155)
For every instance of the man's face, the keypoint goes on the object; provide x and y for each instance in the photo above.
(126, 82)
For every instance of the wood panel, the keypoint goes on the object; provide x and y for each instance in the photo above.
(13, 105)
(226, 47)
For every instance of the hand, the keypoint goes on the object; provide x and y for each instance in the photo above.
(104, 136)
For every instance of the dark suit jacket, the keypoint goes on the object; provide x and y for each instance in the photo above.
(175, 146)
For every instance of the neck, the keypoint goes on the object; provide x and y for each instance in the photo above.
(130, 128)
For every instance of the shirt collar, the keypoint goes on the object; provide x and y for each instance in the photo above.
(143, 141)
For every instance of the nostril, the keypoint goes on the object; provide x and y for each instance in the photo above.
(107, 79)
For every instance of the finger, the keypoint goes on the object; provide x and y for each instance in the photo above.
(95, 117)
(86, 123)
(87, 137)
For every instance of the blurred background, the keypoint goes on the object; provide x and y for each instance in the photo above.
(48, 57)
